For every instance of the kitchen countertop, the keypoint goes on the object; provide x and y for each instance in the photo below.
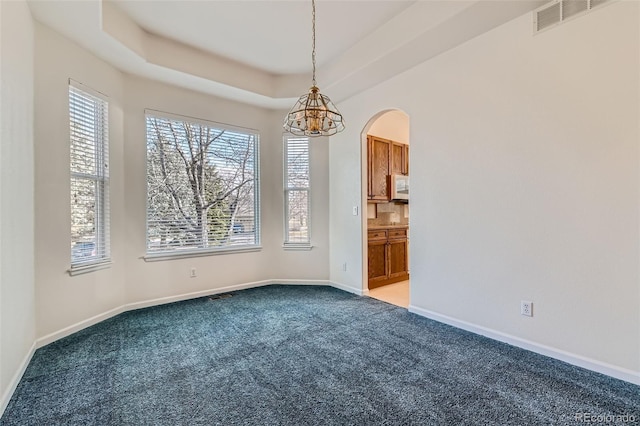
(376, 227)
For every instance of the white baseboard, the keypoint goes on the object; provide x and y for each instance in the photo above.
(13, 384)
(300, 282)
(193, 295)
(348, 288)
(202, 293)
(600, 367)
(568, 357)
(52, 337)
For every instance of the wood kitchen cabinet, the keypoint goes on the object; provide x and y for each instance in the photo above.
(388, 256)
(398, 255)
(378, 162)
(378, 258)
(405, 170)
(384, 158)
(399, 159)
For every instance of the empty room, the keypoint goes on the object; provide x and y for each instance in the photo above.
(342, 212)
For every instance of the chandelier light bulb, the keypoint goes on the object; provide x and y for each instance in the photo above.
(314, 114)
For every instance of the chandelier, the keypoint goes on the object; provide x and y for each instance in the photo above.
(314, 114)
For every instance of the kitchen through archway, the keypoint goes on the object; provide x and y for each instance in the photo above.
(386, 194)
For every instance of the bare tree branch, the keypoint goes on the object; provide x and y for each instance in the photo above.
(198, 182)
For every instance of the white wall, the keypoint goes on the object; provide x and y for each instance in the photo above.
(524, 185)
(148, 280)
(347, 190)
(64, 301)
(393, 125)
(17, 312)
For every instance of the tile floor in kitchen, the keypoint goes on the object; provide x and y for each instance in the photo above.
(396, 294)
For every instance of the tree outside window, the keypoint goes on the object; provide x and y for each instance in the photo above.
(202, 186)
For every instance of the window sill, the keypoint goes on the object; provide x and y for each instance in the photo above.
(297, 247)
(91, 267)
(157, 257)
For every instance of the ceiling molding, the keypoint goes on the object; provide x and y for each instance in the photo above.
(419, 32)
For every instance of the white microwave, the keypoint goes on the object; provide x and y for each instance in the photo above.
(399, 187)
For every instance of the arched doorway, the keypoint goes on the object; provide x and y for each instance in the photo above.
(385, 162)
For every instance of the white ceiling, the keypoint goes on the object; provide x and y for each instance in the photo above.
(259, 51)
(274, 36)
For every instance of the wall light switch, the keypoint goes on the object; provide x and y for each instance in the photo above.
(355, 210)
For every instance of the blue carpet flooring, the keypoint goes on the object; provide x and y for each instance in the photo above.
(301, 355)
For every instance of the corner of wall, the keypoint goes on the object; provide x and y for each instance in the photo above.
(17, 292)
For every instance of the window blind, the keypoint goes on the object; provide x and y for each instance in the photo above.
(297, 220)
(89, 164)
(202, 186)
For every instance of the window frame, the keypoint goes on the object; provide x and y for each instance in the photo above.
(152, 256)
(101, 179)
(288, 244)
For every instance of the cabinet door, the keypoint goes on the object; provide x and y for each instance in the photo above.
(398, 258)
(378, 263)
(379, 159)
(406, 160)
(397, 159)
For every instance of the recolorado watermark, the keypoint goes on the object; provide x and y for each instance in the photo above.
(605, 418)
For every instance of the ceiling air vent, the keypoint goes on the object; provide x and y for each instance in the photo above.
(559, 11)
(573, 7)
(548, 16)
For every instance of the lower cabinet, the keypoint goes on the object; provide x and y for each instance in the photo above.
(387, 256)
(378, 263)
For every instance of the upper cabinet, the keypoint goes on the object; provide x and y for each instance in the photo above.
(399, 159)
(379, 159)
(384, 158)
(406, 160)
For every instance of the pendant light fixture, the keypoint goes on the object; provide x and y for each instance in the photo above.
(314, 114)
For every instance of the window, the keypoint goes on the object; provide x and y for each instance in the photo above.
(296, 191)
(202, 187)
(88, 129)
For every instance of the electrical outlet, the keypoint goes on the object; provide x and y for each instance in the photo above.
(193, 273)
(526, 308)
(344, 266)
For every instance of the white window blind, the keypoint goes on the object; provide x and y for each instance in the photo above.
(89, 163)
(296, 191)
(202, 186)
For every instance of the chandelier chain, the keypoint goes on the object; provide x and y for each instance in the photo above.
(313, 39)
(314, 114)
